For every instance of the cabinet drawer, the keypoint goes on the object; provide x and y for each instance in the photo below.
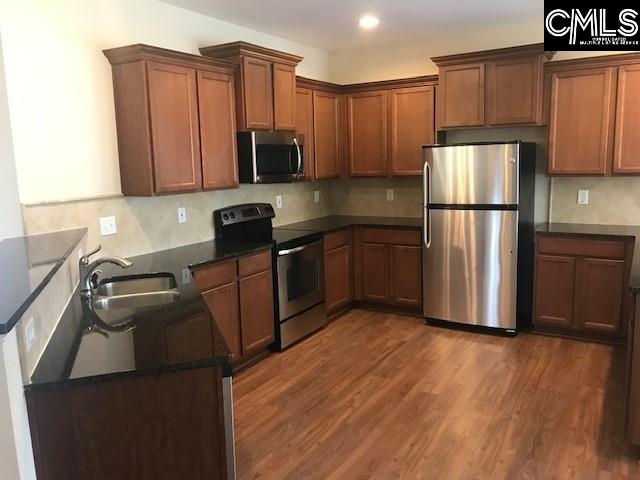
(337, 239)
(391, 236)
(254, 263)
(215, 275)
(581, 247)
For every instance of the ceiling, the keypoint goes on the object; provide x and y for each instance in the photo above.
(332, 24)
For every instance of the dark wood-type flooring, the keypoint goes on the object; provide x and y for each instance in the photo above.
(384, 396)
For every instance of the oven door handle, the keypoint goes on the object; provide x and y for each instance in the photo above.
(291, 250)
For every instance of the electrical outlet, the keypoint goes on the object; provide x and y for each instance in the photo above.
(108, 226)
(389, 194)
(278, 201)
(30, 333)
(316, 196)
(186, 276)
(583, 197)
(182, 215)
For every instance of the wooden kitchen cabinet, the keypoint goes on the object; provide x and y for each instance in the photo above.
(389, 267)
(411, 125)
(174, 118)
(461, 95)
(515, 91)
(405, 275)
(338, 270)
(326, 134)
(581, 117)
(627, 140)
(265, 85)
(491, 88)
(367, 133)
(304, 126)
(580, 285)
(239, 294)
(216, 105)
(256, 312)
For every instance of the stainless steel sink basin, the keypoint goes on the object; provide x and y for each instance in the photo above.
(136, 291)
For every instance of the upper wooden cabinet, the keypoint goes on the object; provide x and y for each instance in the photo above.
(492, 87)
(265, 85)
(593, 109)
(326, 136)
(304, 126)
(175, 121)
(367, 133)
(581, 121)
(411, 125)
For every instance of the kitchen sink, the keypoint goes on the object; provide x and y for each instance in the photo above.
(136, 291)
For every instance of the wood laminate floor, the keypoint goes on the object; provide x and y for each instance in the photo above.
(383, 396)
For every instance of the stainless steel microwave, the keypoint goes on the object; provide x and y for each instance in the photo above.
(270, 157)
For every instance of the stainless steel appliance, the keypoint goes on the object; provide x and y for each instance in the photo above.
(270, 157)
(298, 268)
(478, 233)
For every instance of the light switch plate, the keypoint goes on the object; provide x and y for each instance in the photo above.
(278, 201)
(583, 197)
(30, 333)
(108, 225)
(316, 196)
(186, 276)
(182, 215)
(389, 194)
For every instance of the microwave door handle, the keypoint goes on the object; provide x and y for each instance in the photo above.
(295, 143)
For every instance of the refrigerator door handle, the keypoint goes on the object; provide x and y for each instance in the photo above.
(426, 187)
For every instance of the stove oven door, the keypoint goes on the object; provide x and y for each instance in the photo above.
(300, 278)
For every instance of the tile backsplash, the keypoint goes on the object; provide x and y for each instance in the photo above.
(149, 224)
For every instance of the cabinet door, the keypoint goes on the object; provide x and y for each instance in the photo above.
(284, 97)
(189, 339)
(554, 290)
(257, 94)
(461, 95)
(224, 306)
(338, 274)
(173, 103)
(405, 277)
(256, 312)
(326, 134)
(581, 121)
(304, 125)
(411, 125)
(374, 260)
(514, 91)
(627, 140)
(367, 127)
(217, 130)
(600, 294)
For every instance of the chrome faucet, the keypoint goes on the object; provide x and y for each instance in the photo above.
(89, 272)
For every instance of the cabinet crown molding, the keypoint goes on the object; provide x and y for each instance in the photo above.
(423, 80)
(234, 51)
(495, 54)
(139, 51)
(615, 60)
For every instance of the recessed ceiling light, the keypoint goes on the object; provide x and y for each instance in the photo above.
(368, 21)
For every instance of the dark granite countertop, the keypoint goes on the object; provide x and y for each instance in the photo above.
(628, 231)
(81, 352)
(28, 263)
(336, 222)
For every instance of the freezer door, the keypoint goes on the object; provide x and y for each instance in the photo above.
(470, 267)
(474, 174)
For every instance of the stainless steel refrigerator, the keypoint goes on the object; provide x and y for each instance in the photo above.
(478, 233)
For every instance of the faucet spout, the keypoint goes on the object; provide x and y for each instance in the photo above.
(89, 271)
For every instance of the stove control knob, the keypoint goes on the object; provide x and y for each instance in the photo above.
(225, 216)
(232, 215)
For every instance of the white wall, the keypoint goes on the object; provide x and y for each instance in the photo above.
(60, 89)
(10, 214)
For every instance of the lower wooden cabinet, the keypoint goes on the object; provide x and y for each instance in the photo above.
(338, 270)
(579, 285)
(389, 266)
(239, 294)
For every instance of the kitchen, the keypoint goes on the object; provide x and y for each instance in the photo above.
(138, 141)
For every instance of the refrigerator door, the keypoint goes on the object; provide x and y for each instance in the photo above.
(470, 267)
(473, 174)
